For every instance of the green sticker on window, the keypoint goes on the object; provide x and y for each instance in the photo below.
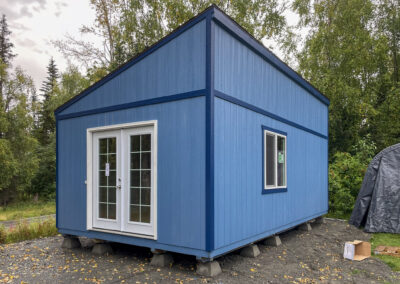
(281, 157)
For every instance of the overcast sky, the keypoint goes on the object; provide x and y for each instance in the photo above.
(35, 23)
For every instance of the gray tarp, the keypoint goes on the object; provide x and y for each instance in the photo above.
(378, 204)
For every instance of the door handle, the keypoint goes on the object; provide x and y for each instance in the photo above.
(119, 186)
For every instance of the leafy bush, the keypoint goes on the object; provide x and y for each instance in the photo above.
(346, 174)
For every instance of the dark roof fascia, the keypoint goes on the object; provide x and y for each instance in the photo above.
(228, 24)
(178, 31)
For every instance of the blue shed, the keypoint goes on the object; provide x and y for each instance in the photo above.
(202, 144)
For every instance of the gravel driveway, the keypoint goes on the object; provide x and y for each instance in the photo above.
(304, 257)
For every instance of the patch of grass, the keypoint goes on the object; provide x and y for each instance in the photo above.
(336, 215)
(26, 209)
(355, 271)
(385, 239)
(24, 231)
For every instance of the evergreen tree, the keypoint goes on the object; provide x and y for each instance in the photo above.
(48, 91)
(6, 54)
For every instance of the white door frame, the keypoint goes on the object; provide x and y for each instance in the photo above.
(90, 184)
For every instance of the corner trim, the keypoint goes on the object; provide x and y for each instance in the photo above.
(57, 168)
(210, 210)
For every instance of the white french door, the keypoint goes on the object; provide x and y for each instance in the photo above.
(122, 188)
(106, 181)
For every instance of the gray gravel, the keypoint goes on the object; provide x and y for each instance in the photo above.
(304, 257)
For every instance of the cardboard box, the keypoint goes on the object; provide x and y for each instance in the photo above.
(357, 250)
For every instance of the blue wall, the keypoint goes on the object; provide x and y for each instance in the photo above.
(242, 212)
(241, 73)
(181, 168)
(176, 67)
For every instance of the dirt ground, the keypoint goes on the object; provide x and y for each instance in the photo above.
(304, 257)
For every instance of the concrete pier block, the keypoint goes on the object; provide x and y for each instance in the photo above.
(320, 220)
(102, 248)
(306, 227)
(162, 260)
(250, 251)
(273, 241)
(209, 268)
(157, 251)
(71, 242)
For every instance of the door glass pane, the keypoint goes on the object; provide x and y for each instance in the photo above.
(145, 214)
(112, 210)
(145, 196)
(145, 179)
(145, 142)
(103, 194)
(269, 159)
(281, 161)
(135, 161)
(145, 160)
(112, 195)
(107, 178)
(135, 195)
(103, 210)
(135, 213)
(140, 178)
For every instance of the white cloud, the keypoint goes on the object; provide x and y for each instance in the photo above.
(35, 23)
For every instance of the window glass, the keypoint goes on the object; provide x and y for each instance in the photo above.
(270, 159)
(281, 161)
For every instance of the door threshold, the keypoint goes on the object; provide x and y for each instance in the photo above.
(123, 233)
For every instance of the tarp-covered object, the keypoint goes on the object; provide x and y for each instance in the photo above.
(377, 206)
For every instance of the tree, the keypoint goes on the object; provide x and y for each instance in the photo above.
(340, 57)
(128, 27)
(46, 115)
(71, 83)
(17, 145)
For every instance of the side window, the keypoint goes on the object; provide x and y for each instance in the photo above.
(274, 160)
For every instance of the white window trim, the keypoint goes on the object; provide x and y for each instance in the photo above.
(275, 186)
(89, 182)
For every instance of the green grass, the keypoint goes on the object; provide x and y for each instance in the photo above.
(385, 239)
(24, 231)
(335, 215)
(26, 209)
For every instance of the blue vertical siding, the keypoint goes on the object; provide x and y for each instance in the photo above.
(242, 211)
(176, 67)
(181, 168)
(241, 73)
